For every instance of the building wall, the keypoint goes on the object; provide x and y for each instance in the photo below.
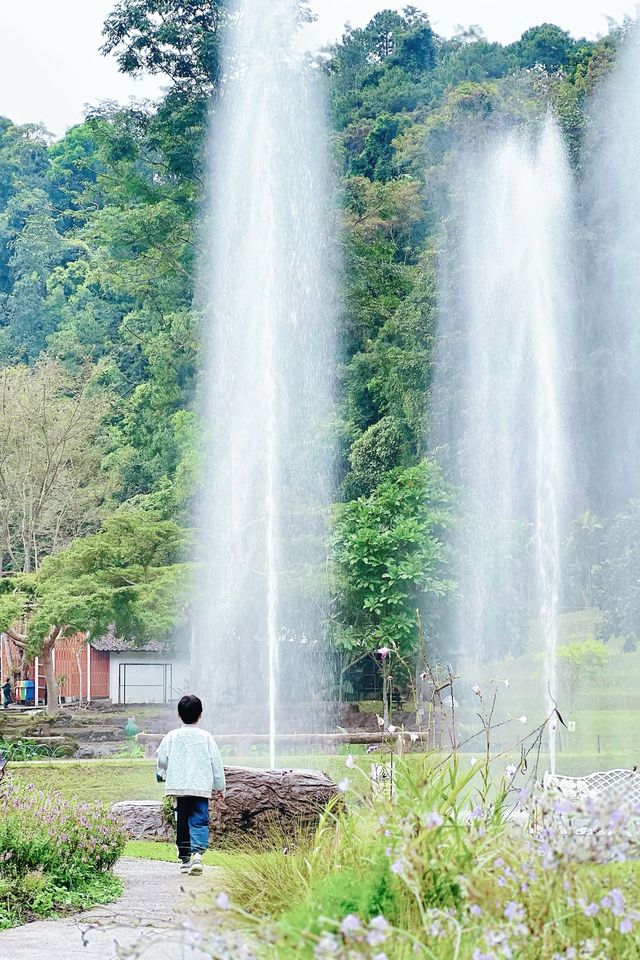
(141, 677)
(77, 662)
(74, 660)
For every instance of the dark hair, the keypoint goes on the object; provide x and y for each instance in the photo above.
(190, 709)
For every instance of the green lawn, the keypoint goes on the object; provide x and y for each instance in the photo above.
(114, 780)
(107, 780)
(152, 850)
(126, 779)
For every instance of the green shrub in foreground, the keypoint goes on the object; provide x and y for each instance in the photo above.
(54, 854)
(440, 873)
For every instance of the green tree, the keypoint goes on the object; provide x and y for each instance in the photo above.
(578, 663)
(180, 41)
(51, 485)
(391, 560)
(546, 46)
(128, 577)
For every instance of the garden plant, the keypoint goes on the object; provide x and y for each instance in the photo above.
(55, 855)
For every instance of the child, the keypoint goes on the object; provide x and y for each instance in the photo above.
(190, 763)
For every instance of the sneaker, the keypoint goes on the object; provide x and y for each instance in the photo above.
(185, 866)
(195, 867)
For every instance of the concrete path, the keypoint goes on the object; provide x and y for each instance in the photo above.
(157, 913)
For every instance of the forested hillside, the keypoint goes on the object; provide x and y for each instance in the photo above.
(100, 345)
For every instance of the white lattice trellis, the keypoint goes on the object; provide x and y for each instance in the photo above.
(624, 784)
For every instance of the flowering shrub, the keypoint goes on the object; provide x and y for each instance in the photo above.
(53, 853)
(456, 878)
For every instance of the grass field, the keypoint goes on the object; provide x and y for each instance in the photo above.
(114, 780)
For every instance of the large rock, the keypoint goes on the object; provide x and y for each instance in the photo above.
(144, 820)
(255, 801)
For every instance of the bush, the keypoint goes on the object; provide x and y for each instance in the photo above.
(54, 854)
(18, 751)
(440, 872)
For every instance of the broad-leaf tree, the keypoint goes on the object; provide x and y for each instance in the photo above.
(128, 576)
(391, 560)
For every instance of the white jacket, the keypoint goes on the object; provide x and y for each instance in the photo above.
(190, 762)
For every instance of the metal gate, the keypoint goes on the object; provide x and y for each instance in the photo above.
(145, 682)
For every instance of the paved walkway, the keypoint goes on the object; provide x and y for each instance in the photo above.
(156, 902)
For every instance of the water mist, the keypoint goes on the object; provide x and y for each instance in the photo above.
(269, 315)
(501, 389)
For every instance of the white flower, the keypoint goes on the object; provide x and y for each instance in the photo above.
(343, 786)
(380, 720)
(523, 719)
(413, 737)
(383, 652)
(351, 926)
(473, 761)
(476, 689)
(510, 771)
(391, 728)
(223, 902)
(507, 683)
(349, 762)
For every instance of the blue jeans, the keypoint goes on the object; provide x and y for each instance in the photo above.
(192, 826)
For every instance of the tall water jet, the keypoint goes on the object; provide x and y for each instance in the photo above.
(501, 389)
(269, 315)
(609, 362)
(611, 198)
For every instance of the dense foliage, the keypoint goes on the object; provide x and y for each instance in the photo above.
(99, 342)
(55, 855)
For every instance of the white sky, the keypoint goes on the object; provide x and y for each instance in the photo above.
(50, 67)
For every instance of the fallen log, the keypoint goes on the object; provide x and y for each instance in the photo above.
(151, 741)
(256, 802)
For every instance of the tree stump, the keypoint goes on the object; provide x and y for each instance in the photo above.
(255, 802)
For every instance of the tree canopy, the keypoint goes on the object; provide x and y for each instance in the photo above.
(100, 343)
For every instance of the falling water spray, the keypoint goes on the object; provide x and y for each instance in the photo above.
(268, 309)
(502, 380)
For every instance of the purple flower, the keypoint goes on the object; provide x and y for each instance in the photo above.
(514, 912)
(351, 926)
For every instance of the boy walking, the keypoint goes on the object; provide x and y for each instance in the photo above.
(190, 763)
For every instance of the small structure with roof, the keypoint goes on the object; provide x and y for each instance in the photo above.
(105, 668)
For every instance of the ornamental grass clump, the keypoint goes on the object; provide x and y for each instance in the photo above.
(455, 866)
(55, 855)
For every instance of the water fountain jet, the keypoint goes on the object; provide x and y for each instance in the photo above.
(269, 317)
(506, 337)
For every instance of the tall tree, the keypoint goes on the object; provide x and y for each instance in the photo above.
(170, 37)
(127, 577)
(51, 485)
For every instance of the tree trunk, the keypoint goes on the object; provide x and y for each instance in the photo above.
(258, 799)
(46, 658)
